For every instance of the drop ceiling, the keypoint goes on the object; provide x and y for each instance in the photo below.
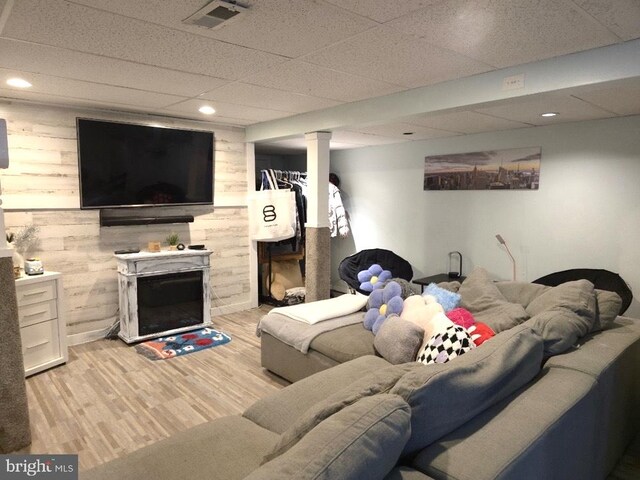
(283, 59)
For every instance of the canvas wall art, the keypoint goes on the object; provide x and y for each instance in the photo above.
(511, 169)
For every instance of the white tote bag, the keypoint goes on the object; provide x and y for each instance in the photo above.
(273, 212)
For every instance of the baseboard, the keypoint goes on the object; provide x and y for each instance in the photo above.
(86, 337)
(233, 308)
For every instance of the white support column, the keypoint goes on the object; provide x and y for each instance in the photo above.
(318, 236)
(253, 245)
(318, 179)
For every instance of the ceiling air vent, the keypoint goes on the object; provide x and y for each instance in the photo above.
(214, 14)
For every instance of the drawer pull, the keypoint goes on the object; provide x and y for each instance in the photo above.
(30, 294)
(41, 312)
(44, 342)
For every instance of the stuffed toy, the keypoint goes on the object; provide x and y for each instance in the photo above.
(373, 278)
(381, 304)
(449, 300)
(416, 310)
(480, 333)
(461, 316)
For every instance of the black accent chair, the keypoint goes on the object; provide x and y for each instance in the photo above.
(601, 279)
(350, 266)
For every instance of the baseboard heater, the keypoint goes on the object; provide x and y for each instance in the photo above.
(109, 220)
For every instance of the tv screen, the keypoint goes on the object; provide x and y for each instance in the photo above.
(125, 165)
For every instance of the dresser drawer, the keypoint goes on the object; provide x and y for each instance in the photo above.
(37, 312)
(40, 343)
(36, 292)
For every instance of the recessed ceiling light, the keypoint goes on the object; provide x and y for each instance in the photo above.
(207, 110)
(549, 114)
(18, 83)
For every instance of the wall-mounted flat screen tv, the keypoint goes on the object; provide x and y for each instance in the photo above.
(126, 165)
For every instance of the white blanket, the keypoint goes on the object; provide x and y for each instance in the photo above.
(321, 310)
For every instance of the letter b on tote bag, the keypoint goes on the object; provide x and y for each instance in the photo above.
(274, 213)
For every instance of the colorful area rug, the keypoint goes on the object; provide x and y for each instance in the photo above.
(175, 345)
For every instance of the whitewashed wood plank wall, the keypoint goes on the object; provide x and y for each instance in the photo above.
(41, 185)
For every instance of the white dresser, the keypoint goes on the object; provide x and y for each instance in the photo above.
(42, 322)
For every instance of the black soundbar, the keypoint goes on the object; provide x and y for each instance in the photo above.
(113, 221)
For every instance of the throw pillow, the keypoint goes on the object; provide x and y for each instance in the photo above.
(448, 299)
(373, 278)
(362, 441)
(608, 305)
(374, 383)
(481, 297)
(447, 345)
(381, 304)
(444, 396)
(398, 340)
(563, 314)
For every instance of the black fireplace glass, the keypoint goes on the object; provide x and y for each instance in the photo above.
(169, 301)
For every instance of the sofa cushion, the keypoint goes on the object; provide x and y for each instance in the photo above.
(444, 396)
(608, 306)
(228, 447)
(374, 383)
(361, 441)
(398, 340)
(520, 292)
(545, 430)
(481, 297)
(345, 343)
(280, 410)
(562, 314)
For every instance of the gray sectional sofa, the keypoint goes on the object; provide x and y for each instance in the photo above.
(510, 409)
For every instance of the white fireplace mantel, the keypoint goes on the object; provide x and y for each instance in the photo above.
(132, 266)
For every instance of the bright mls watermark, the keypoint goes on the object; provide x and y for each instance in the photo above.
(53, 467)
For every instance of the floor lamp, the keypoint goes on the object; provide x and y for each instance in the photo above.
(513, 260)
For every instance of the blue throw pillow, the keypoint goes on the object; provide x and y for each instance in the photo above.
(449, 300)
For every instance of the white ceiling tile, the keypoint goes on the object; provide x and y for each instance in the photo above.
(271, 98)
(28, 57)
(622, 17)
(58, 87)
(464, 122)
(507, 32)
(308, 79)
(240, 112)
(76, 27)
(570, 109)
(398, 130)
(387, 54)
(622, 98)
(382, 10)
(284, 27)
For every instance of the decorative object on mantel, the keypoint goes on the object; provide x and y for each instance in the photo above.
(175, 345)
(154, 246)
(510, 169)
(180, 246)
(172, 240)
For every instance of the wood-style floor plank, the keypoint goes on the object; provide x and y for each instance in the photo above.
(108, 400)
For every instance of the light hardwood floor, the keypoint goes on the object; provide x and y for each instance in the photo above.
(108, 400)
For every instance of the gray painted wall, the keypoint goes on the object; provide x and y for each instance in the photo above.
(586, 213)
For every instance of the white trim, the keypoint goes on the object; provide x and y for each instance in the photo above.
(86, 337)
(233, 308)
(253, 245)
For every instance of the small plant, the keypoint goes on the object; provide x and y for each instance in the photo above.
(173, 238)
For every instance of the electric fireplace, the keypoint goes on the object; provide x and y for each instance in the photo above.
(163, 293)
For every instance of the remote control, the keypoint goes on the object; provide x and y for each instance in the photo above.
(127, 250)
(196, 247)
